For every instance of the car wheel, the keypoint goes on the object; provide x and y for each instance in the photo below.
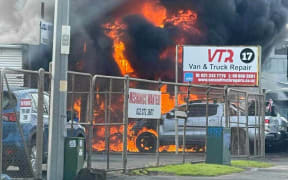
(32, 154)
(5, 165)
(146, 142)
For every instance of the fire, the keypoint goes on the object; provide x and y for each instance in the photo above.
(77, 107)
(168, 101)
(154, 13)
(160, 17)
(115, 139)
(114, 32)
(84, 47)
(184, 19)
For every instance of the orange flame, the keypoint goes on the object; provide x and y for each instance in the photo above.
(168, 101)
(77, 107)
(184, 19)
(154, 13)
(159, 16)
(114, 32)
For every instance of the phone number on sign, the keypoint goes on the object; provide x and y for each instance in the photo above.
(144, 111)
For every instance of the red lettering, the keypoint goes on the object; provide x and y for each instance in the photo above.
(230, 58)
(228, 54)
(137, 98)
(210, 59)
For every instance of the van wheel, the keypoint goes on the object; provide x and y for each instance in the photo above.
(146, 142)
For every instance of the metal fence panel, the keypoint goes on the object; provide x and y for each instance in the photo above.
(22, 121)
(119, 142)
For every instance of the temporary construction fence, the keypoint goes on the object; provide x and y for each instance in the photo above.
(169, 139)
(116, 142)
(24, 124)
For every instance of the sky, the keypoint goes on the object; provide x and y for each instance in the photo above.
(20, 20)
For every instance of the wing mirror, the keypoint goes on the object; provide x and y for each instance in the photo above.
(170, 115)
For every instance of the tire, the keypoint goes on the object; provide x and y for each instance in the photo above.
(5, 165)
(146, 142)
(32, 154)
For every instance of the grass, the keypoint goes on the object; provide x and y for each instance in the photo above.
(139, 172)
(250, 164)
(200, 169)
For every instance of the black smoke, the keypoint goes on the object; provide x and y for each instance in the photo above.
(144, 46)
(221, 22)
(238, 22)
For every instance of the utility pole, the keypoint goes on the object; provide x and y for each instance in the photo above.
(57, 128)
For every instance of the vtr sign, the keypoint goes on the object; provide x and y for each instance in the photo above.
(228, 65)
(225, 55)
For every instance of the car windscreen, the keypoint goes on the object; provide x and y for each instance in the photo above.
(9, 100)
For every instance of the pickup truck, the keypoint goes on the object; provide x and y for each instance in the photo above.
(196, 123)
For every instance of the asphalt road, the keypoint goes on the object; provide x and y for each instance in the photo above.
(277, 172)
(139, 160)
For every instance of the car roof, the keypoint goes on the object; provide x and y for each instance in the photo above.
(20, 90)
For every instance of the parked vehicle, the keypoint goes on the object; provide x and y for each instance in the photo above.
(276, 130)
(196, 123)
(20, 105)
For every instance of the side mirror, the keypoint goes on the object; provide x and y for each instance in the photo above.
(170, 115)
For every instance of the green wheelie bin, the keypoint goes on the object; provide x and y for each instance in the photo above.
(73, 156)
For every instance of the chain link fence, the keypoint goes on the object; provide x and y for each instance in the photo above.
(24, 123)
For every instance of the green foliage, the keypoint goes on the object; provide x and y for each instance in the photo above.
(138, 172)
(200, 169)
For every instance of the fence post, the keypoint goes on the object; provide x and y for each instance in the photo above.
(238, 128)
(125, 122)
(263, 124)
(259, 125)
(176, 99)
(207, 118)
(90, 132)
(72, 102)
(247, 125)
(226, 104)
(108, 123)
(1, 120)
(39, 135)
(158, 129)
(185, 123)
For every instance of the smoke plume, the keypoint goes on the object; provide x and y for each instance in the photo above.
(221, 22)
(19, 21)
(238, 22)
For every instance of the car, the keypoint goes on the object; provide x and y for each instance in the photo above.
(276, 130)
(20, 125)
(196, 123)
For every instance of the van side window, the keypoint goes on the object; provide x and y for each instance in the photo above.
(35, 104)
(199, 110)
